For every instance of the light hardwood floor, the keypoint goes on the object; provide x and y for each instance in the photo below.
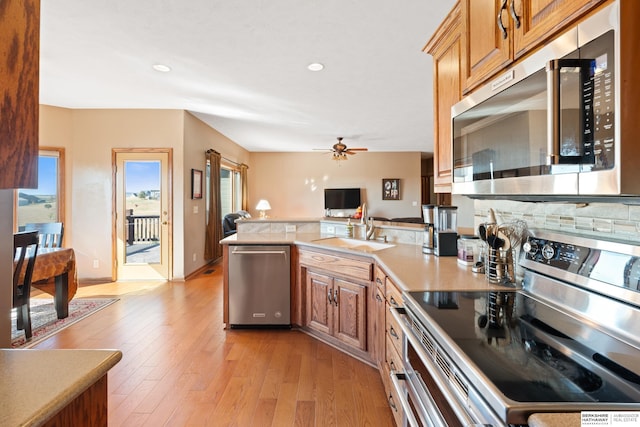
(181, 368)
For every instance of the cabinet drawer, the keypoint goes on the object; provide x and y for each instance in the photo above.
(380, 279)
(394, 333)
(393, 358)
(392, 397)
(338, 265)
(394, 295)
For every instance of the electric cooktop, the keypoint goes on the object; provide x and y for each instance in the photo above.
(509, 337)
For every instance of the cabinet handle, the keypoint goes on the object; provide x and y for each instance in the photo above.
(392, 403)
(514, 15)
(378, 281)
(393, 302)
(378, 298)
(329, 294)
(335, 297)
(392, 366)
(393, 333)
(500, 24)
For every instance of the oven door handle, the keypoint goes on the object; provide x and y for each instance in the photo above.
(458, 409)
(406, 408)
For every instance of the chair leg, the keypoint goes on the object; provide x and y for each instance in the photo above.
(24, 320)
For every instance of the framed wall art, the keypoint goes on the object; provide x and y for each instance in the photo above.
(391, 189)
(196, 184)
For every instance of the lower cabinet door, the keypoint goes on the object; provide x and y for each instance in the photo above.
(350, 301)
(319, 302)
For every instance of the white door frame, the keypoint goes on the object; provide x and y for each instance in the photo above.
(142, 271)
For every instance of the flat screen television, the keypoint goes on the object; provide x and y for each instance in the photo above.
(341, 198)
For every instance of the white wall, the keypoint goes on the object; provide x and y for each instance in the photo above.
(88, 137)
(293, 183)
(198, 138)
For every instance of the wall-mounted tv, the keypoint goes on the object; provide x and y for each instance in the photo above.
(341, 198)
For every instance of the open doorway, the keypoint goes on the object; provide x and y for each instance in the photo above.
(142, 218)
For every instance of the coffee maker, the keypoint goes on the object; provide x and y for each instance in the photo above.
(445, 234)
(428, 212)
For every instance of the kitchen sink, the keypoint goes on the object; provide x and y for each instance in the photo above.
(354, 244)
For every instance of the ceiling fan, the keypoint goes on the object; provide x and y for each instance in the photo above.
(340, 150)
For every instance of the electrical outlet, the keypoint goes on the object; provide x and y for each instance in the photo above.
(96, 263)
(194, 257)
(290, 229)
(195, 209)
(331, 229)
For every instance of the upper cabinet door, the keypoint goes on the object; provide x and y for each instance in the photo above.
(445, 48)
(486, 39)
(497, 32)
(19, 74)
(538, 20)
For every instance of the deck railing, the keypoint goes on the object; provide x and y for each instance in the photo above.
(143, 228)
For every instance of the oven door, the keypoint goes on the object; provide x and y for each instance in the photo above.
(418, 407)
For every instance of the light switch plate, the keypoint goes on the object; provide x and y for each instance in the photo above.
(331, 229)
(290, 229)
(195, 209)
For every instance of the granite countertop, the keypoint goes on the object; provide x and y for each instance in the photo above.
(37, 384)
(408, 267)
(555, 420)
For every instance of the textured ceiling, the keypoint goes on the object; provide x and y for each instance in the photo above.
(240, 66)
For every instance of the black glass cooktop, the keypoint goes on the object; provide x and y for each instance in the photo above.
(519, 345)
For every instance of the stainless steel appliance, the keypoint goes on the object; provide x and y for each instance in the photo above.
(445, 235)
(567, 341)
(551, 124)
(259, 286)
(428, 214)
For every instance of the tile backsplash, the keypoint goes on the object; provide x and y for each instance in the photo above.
(600, 220)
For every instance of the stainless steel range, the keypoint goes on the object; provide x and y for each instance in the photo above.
(567, 341)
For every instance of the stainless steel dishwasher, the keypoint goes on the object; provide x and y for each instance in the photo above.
(259, 286)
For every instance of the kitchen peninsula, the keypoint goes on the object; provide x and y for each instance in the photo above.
(355, 284)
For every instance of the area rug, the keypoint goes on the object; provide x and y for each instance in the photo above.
(45, 322)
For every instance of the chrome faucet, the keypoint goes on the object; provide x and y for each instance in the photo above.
(368, 223)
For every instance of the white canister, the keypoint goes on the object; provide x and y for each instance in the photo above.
(468, 247)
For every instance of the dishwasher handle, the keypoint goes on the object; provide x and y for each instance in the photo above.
(245, 252)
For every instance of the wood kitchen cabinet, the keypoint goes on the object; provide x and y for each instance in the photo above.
(336, 289)
(497, 32)
(445, 48)
(379, 305)
(337, 307)
(390, 339)
(19, 74)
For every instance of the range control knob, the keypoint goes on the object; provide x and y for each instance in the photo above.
(548, 251)
(530, 247)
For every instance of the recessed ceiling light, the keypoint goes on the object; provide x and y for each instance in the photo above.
(162, 68)
(315, 66)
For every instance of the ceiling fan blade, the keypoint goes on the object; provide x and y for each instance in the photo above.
(357, 149)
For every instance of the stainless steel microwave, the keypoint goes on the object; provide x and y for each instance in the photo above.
(549, 125)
